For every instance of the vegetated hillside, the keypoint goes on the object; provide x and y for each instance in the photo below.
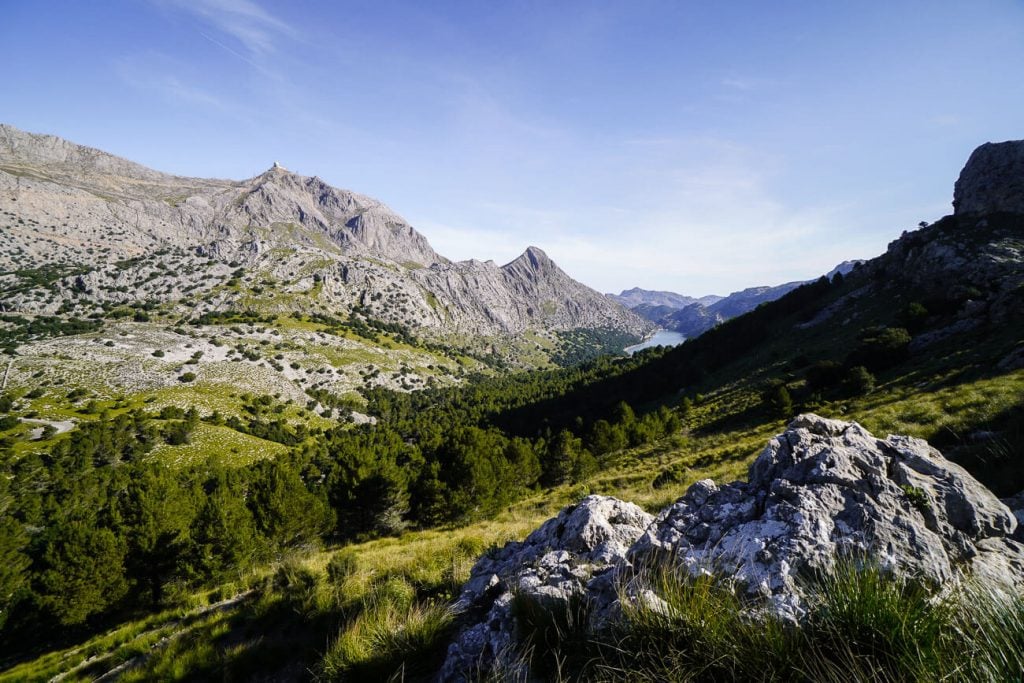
(922, 341)
(123, 287)
(940, 306)
(85, 231)
(693, 317)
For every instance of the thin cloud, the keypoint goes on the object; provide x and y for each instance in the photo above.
(255, 29)
(700, 228)
(748, 84)
(158, 75)
(944, 121)
(228, 49)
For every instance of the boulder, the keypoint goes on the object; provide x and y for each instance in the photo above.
(822, 491)
(1016, 505)
(825, 490)
(552, 567)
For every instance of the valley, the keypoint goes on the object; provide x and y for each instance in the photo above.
(261, 430)
(689, 316)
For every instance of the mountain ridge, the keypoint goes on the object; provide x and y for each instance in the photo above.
(922, 341)
(692, 316)
(326, 248)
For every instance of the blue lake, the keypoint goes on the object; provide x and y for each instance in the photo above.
(660, 338)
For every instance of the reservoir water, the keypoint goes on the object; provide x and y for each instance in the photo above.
(659, 338)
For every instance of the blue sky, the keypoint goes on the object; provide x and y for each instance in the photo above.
(699, 147)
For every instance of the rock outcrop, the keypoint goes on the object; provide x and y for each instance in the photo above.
(552, 566)
(821, 492)
(992, 181)
(824, 490)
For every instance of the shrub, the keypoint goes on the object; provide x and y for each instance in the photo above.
(677, 474)
(824, 374)
(177, 434)
(187, 377)
(881, 348)
(858, 381)
(914, 316)
(776, 397)
(342, 565)
(917, 497)
(298, 585)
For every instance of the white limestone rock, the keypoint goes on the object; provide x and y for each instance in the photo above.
(824, 490)
(552, 566)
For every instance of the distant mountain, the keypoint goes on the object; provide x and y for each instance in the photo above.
(939, 309)
(110, 231)
(692, 316)
(633, 298)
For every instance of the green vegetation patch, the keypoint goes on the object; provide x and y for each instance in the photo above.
(222, 443)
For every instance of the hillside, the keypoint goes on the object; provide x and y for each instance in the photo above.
(121, 285)
(340, 553)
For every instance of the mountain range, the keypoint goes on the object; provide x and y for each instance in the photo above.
(185, 496)
(122, 232)
(692, 316)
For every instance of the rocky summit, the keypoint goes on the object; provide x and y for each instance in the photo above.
(992, 181)
(822, 491)
(107, 229)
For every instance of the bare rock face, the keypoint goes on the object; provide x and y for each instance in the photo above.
(825, 490)
(1016, 505)
(821, 492)
(552, 566)
(992, 180)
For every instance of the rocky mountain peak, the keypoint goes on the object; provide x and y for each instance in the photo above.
(278, 171)
(71, 202)
(536, 258)
(21, 149)
(532, 263)
(992, 180)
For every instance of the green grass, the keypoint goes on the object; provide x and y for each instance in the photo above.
(210, 441)
(389, 630)
(387, 611)
(926, 411)
(81, 662)
(862, 624)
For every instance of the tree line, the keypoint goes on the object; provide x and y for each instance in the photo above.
(95, 528)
